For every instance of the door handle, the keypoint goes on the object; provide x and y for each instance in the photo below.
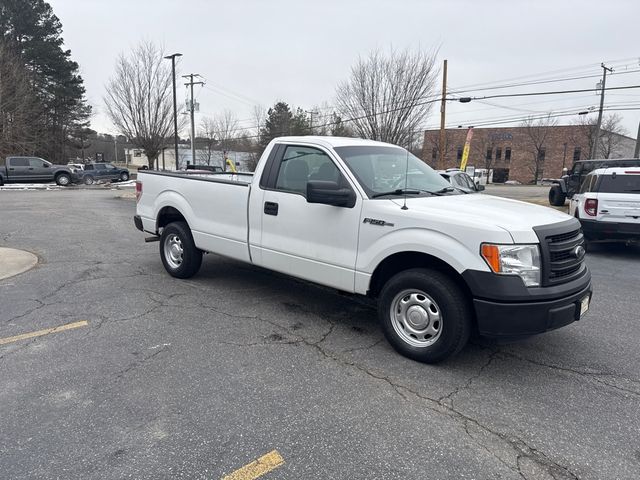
(30, 168)
(270, 208)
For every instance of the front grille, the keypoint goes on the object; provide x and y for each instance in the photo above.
(558, 248)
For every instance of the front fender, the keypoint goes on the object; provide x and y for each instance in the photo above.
(460, 256)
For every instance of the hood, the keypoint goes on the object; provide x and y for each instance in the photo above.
(514, 216)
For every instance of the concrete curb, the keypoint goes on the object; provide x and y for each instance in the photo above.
(13, 262)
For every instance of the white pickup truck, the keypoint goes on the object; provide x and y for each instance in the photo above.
(370, 218)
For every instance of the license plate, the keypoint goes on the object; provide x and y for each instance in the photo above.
(584, 305)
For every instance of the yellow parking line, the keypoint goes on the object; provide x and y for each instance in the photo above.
(46, 331)
(257, 468)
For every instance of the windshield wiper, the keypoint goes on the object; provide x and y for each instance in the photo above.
(442, 191)
(399, 191)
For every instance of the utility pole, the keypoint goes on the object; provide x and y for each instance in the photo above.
(636, 152)
(311, 113)
(192, 107)
(442, 116)
(597, 138)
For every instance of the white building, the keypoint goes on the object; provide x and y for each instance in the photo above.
(166, 160)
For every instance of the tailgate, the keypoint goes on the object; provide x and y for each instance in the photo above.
(619, 207)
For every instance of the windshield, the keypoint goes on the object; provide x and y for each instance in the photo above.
(381, 170)
(620, 184)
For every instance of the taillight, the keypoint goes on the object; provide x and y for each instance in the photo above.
(591, 207)
(138, 190)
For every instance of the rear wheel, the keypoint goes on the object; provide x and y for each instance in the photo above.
(63, 179)
(89, 180)
(180, 256)
(556, 197)
(424, 315)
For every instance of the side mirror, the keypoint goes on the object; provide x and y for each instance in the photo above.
(330, 193)
(479, 187)
(46, 165)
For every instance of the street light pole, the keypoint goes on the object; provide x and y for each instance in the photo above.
(175, 111)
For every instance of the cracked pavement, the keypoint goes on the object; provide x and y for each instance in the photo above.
(193, 379)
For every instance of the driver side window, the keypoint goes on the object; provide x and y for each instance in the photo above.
(301, 164)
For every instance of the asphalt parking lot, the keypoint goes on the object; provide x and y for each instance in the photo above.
(152, 377)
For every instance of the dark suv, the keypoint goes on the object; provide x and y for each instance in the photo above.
(569, 184)
(94, 172)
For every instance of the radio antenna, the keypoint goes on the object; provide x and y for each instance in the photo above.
(406, 175)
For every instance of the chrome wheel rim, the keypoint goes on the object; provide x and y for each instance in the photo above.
(416, 318)
(173, 251)
(63, 180)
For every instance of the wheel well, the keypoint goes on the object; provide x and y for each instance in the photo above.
(406, 260)
(62, 173)
(168, 215)
(398, 262)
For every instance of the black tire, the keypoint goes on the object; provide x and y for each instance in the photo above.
(1, 181)
(452, 319)
(88, 180)
(184, 263)
(124, 176)
(556, 197)
(63, 179)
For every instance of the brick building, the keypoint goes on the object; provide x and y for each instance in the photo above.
(516, 153)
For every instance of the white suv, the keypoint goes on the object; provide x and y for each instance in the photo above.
(608, 204)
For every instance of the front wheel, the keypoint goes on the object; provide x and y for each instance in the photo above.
(63, 179)
(88, 180)
(180, 256)
(124, 176)
(424, 315)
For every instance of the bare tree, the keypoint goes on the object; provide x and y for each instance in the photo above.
(18, 107)
(537, 132)
(611, 135)
(480, 147)
(221, 131)
(139, 99)
(387, 97)
(207, 138)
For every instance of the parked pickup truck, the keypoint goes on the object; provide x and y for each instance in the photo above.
(338, 212)
(35, 170)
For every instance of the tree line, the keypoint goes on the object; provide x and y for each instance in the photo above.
(43, 109)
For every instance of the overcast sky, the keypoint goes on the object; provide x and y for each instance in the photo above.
(257, 51)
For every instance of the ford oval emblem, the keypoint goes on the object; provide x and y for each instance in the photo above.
(578, 252)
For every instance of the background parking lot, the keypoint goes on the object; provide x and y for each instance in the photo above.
(194, 379)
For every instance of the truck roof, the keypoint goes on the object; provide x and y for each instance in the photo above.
(616, 170)
(332, 141)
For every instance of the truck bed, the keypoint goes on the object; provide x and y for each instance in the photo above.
(213, 204)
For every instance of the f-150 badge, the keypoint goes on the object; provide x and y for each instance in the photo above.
(375, 221)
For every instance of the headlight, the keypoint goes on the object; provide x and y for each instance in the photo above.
(521, 260)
